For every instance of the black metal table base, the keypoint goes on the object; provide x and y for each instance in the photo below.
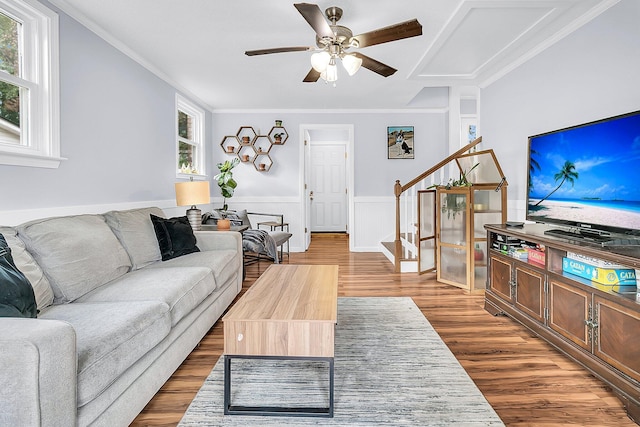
(230, 409)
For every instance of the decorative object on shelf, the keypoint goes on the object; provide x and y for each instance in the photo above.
(335, 41)
(262, 162)
(245, 157)
(192, 193)
(400, 142)
(478, 254)
(278, 123)
(278, 135)
(188, 169)
(225, 180)
(229, 141)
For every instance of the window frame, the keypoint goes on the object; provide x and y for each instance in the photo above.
(198, 127)
(40, 139)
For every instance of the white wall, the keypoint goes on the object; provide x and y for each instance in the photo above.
(591, 74)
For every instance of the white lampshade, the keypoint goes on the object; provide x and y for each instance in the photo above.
(320, 60)
(351, 63)
(331, 73)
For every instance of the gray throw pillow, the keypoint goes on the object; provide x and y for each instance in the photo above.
(134, 230)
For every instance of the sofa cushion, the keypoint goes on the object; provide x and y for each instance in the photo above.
(280, 237)
(134, 230)
(182, 289)
(110, 337)
(28, 266)
(77, 253)
(175, 236)
(222, 263)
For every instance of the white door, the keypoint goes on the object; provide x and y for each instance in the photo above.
(328, 189)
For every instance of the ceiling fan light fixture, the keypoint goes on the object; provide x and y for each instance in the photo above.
(351, 63)
(320, 61)
(331, 73)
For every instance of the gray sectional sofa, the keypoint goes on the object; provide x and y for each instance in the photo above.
(114, 322)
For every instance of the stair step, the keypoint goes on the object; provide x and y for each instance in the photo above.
(391, 246)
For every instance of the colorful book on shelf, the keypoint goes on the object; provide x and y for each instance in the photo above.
(593, 261)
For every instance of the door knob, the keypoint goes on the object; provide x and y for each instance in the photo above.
(311, 195)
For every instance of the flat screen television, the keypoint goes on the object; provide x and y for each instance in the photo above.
(586, 178)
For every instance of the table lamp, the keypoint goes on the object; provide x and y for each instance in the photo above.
(191, 193)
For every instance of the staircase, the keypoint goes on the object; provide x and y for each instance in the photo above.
(402, 248)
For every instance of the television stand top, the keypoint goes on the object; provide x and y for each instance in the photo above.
(579, 234)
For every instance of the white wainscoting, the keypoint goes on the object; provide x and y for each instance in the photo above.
(17, 217)
(374, 220)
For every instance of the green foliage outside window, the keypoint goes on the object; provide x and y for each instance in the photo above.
(9, 63)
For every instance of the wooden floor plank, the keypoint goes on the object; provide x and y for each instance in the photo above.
(524, 379)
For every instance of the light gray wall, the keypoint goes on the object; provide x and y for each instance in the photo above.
(591, 74)
(374, 173)
(117, 132)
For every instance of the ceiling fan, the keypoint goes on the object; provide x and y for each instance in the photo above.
(333, 41)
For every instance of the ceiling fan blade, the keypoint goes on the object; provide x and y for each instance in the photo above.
(391, 33)
(313, 15)
(312, 76)
(279, 50)
(375, 66)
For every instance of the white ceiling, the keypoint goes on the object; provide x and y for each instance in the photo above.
(198, 46)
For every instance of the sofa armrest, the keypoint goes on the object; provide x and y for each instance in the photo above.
(38, 377)
(216, 240)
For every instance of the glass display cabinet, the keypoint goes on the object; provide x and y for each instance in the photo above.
(463, 207)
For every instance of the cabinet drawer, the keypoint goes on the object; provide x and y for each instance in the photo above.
(530, 292)
(618, 331)
(568, 312)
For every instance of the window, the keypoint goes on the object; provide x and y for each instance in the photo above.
(29, 98)
(190, 138)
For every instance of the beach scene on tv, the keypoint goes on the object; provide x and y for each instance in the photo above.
(587, 174)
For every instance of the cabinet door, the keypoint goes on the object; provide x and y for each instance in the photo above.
(616, 336)
(500, 278)
(529, 295)
(569, 311)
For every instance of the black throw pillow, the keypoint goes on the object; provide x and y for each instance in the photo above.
(16, 293)
(175, 236)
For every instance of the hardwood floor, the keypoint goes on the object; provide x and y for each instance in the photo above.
(524, 379)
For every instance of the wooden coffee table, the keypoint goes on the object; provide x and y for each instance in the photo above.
(290, 312)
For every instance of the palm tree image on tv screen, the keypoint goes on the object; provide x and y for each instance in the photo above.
(584, 174)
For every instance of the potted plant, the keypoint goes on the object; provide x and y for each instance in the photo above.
(278, 137)
(454, 203)
(225, 180)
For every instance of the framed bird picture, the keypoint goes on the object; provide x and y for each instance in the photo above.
(400, 142)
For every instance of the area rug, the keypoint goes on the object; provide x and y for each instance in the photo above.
(391, 369)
